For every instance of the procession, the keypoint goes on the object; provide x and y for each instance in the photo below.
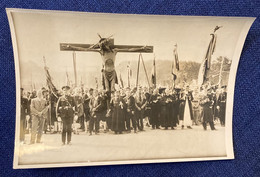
(127, 111)
(122, 110)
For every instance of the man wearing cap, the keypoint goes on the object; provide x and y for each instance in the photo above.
(207, 103)
(66, 109)
(222, 105)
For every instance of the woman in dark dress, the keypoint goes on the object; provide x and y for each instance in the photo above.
(164, 112)
(175, 109)
(117, 107)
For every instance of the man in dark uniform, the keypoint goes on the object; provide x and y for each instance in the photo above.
(222, 105)
(24, 112)
(130, 110)
(207, 103)
(65, 110)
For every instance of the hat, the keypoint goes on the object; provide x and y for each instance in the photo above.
(161, 90)
(177, 89)
(65, 87)
(44, 90)
(22, 88)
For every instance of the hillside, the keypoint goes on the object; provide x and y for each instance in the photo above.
(33, 74)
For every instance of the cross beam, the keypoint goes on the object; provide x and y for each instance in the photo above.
(123, 48)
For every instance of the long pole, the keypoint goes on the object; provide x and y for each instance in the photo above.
(138, 69)
(75, 67)
(145, 70)
(154, 65)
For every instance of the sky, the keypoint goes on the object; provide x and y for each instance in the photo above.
(39, 34)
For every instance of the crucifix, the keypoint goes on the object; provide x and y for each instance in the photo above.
(108, 52)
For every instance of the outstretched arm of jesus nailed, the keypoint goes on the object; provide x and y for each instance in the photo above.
(134, 49)
(69, 46)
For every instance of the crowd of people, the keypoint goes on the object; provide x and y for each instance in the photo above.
(124, 111)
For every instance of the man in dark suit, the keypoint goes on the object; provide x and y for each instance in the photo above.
(24, 113)
(130, 110)
(65, 110)
(222, 105)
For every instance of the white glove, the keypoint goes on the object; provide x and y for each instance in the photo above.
(59, 119)
(76, 118)
(27, 117)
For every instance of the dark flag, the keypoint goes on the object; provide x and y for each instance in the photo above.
(175, 53)
(49, 82)
(211, 50)
(175, 64)
(154, 73)
(206, 63)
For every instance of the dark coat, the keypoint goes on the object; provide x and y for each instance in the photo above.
(164, 112)
(65, 110)
(117, 114)
(222, 105)
(207, 108)
(25, 108)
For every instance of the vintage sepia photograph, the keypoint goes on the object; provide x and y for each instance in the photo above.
(106, 89)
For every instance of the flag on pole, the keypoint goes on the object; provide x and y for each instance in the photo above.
(175, 53)
(211, 50)
(174, 72)
(49, 82)
(206, 63)
(154, 73)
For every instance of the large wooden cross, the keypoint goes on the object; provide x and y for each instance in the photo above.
(108, 52)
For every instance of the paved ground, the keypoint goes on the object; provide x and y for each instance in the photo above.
(149, 144)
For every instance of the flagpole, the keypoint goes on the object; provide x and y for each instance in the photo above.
(75, 67)
(145, 71)
(138, 69)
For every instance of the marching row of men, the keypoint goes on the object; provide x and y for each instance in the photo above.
(123, 110)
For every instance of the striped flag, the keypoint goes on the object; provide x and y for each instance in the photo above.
(206, 63)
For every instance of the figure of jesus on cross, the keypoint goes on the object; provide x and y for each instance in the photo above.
(108, 52)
